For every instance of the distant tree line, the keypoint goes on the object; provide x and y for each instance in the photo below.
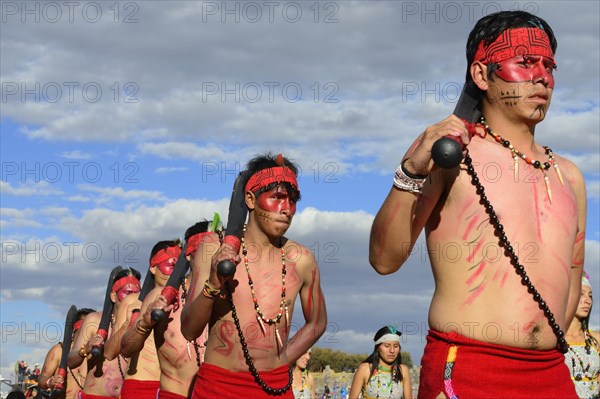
(340, 361)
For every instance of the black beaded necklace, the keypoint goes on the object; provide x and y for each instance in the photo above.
(514, 259)
(249, 362)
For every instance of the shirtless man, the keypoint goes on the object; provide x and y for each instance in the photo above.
(179, 358)
(502, 304)
(272, 272)
(104, 377)
(142, 379)
(49, 377)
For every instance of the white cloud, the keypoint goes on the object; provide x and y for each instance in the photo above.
(76, 154)
(118, 192)
(166, 170)
(27, 189)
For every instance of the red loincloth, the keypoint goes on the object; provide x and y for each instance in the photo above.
(162, 394)
(138, 389)
(83, 395)
(214, 382)
(484, 370)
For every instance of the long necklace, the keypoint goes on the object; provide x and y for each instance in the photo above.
(389, 387)
(510, 253)
(516, 154)
(249, 362)
(112, 326)
(584, 370)
(282, 305)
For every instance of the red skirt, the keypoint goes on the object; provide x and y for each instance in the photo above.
(83, 395)
(214, 382)
(162, 394)
(138, 389)
(465, 368)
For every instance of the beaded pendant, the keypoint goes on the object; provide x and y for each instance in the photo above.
(283, 307)
(516, 155)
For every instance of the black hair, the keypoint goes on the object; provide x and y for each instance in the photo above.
(163, 245)
(200, 227)
(488, 28)
(268, 160)
(585, 327)
(373, 358)
(130, 271)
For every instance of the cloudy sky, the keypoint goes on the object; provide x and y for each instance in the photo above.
(124, 123)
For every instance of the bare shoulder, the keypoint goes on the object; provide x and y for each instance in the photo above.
(363, 369)
(404, 369)
(93, 317)
(595, 334)
(570, 171)
(300, 254)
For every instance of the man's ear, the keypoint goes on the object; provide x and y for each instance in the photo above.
(152, 269)
(479, 75)
(113, 296)
(250, 200)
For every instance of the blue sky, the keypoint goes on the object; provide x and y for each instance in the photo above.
(121, 126)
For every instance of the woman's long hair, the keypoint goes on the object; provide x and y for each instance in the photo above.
(373, 358)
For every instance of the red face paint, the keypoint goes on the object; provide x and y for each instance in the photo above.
(166, 266)
(277, 200)
(126, 290)
(528, 68)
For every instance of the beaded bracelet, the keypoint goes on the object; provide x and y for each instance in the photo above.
(210, 292)
(82, 352)
(406, 181)
(141, 329)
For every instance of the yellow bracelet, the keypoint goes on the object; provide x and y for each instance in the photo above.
(82, 352)
(141, 329)
(210, 292)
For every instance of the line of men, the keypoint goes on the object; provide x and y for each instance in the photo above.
(218, 331)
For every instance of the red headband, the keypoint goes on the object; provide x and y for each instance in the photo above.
(77, 325)
(120, 283)
(165, 254)
(276, 174)
(515, 42)
(193, 241)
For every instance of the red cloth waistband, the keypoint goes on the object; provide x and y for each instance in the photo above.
(486, 370)
(83, 395)
(214, 382)
(162, 394)
(138, 389)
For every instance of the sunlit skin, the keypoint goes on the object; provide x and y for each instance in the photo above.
(103, 377)
(472, 275)
(270, 216)
(585, 302)
(388, 352)
(163, 270)
(303, 361)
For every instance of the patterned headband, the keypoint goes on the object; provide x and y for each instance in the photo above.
(515, 42)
